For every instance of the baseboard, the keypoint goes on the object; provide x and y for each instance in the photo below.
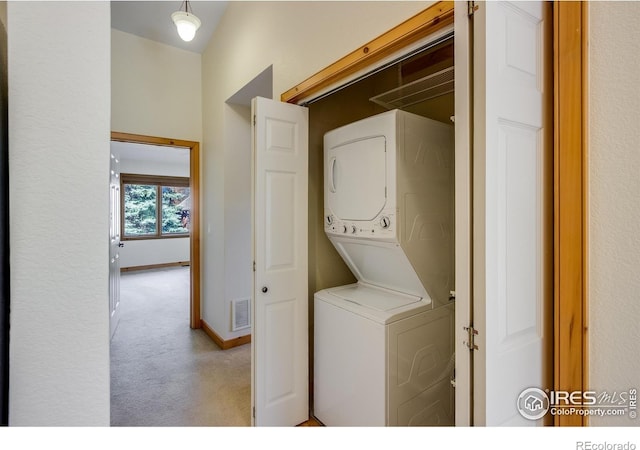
(224, 345)
(155, 266)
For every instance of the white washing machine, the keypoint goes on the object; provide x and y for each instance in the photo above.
(383, 347)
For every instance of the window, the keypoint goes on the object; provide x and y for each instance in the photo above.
(154, 207)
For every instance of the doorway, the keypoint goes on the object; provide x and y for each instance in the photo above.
(194, 219)
(340, 76)
(422, 84)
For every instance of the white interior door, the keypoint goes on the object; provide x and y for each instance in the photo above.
(509, 206)
(114, 244)
(280, 378)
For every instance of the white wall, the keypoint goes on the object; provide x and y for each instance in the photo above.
(156, 89)
(59, 59)
(238, 270)
(154, 251)
(614, 193)
(298, 39)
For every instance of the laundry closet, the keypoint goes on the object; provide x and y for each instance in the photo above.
(356, 381)
(498, 233)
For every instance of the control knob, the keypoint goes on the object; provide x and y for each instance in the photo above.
(329, 220)
(344, 228)
(353, 229)
(385, 222)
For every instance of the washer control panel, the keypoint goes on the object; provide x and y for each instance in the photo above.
(382, 227)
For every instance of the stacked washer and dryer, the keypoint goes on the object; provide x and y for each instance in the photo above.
(383, 347)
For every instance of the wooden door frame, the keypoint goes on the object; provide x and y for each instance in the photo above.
(571, 219)
(194, 192)
(570, 165)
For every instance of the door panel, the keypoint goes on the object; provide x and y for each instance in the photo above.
(114, 244)
(510, 155)
(280, 208)
(280, 378)
(279, 330)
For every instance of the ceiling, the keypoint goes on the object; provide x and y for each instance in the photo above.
(152, 20)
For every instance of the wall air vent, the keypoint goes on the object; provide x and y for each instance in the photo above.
(240, 314)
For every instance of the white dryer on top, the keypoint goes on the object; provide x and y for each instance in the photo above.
(388, 193)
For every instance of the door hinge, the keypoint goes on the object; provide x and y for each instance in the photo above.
(254, 120)
(471, 337)
(253, 413)
(471, 8)
(254, 266)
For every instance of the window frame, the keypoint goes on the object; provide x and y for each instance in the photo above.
(158, 181)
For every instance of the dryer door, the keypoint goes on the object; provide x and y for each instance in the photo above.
(355, 178)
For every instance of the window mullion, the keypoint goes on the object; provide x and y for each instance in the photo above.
(158, 211)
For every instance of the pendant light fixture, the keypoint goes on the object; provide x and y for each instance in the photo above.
(186, 22)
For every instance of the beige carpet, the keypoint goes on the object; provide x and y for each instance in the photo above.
(165, 374)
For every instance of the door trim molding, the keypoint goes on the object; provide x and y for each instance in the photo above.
(411, 30)
(194, 189)
(571, 200)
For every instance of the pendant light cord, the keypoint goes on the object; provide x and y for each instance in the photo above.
(187, 6)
